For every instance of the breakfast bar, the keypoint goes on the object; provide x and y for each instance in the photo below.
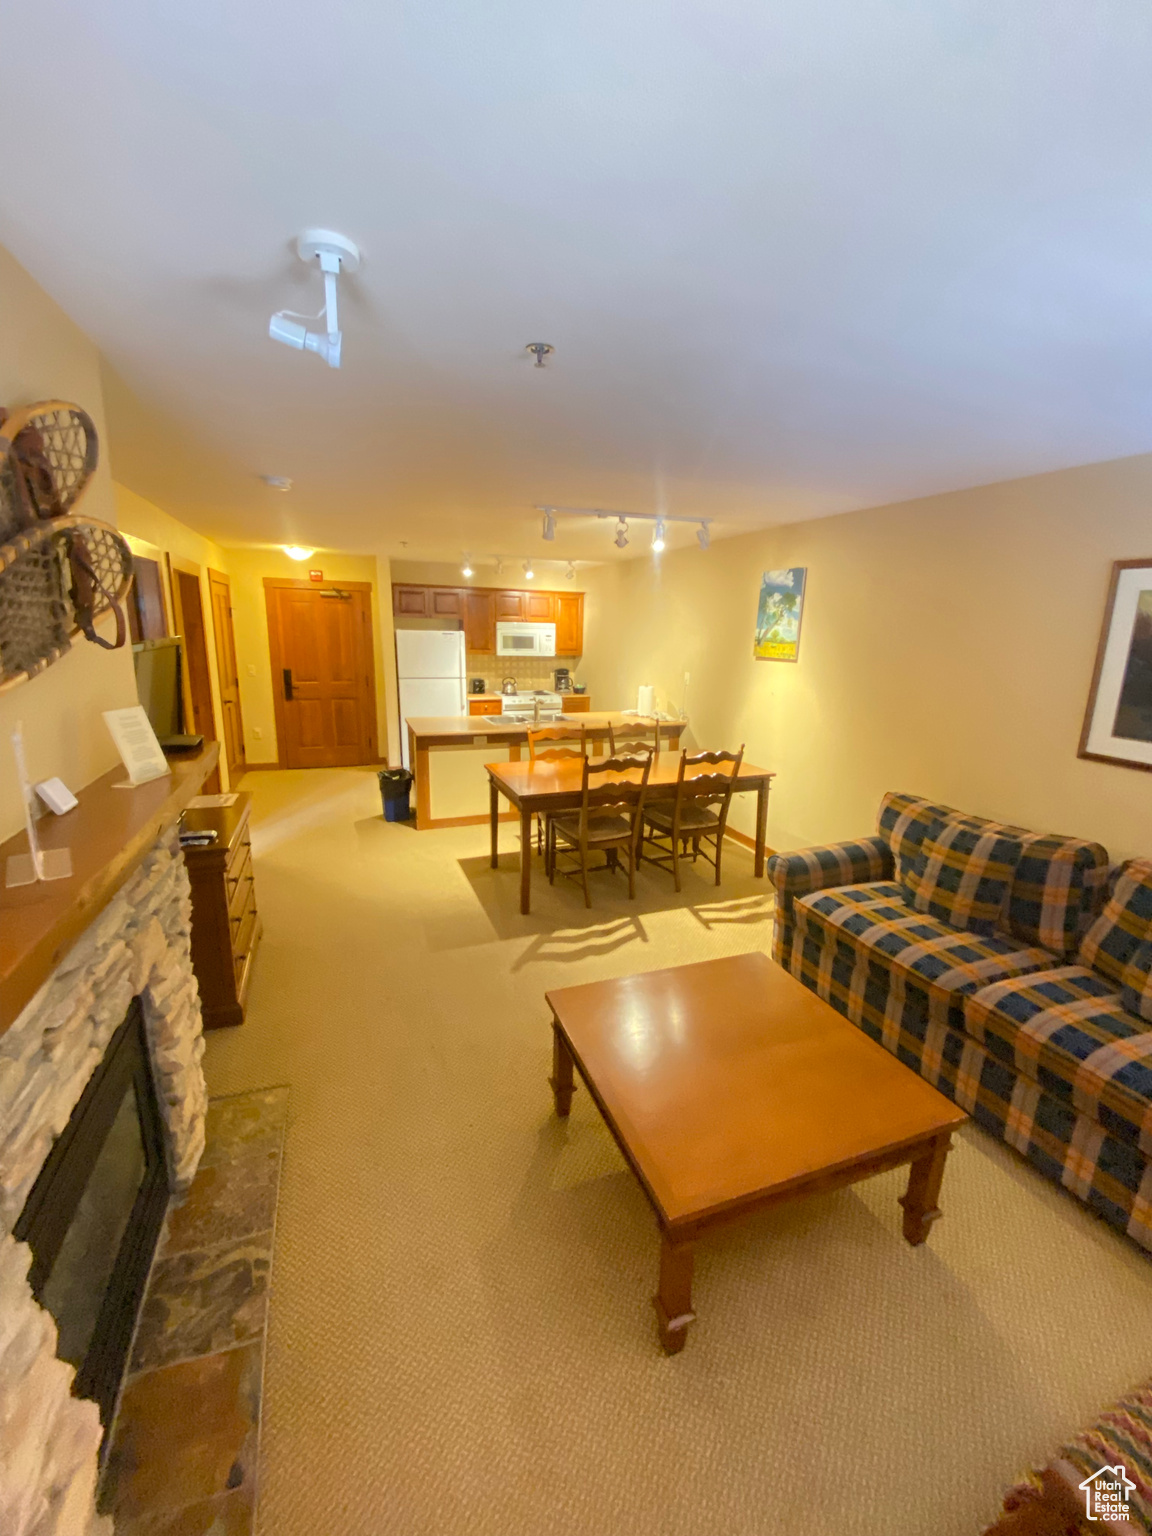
(448, 754)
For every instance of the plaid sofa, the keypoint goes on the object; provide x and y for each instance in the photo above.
(1036, 1047)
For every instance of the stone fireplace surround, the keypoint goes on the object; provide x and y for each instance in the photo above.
(138, 945)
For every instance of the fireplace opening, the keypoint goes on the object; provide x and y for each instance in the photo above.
(94, 1215)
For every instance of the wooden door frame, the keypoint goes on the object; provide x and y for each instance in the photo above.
(295, 584)
(178, 565)
(241, 764)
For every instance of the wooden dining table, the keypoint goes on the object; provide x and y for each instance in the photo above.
(539, 788)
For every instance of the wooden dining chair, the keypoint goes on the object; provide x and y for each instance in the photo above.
(697, 815)
(553, 733)
(610, 819)
(639, 736)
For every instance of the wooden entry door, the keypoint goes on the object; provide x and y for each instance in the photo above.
(322, 674)
(228, 674)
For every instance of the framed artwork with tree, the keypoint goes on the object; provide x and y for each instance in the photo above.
(779, 614)
(1118, 722)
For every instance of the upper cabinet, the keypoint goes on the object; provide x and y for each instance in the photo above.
(569, 623)
(480, 621)
(482, 608)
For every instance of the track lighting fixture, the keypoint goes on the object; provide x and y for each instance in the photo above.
(659, 534)
(703, 538)
(549, 526)
(658, 537)
(621, 539)
(466, 568)
(529, 573)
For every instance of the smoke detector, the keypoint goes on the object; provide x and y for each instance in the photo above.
(335, 254)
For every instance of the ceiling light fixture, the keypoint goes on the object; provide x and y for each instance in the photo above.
(703, 537)
(570, 572)
(549, 526)
(529, 573)
(658, 537)
(621, 539)
(298, 552)
(661, 519)
(540, 350)
(335, 253)
(277, 482)
(466, 568)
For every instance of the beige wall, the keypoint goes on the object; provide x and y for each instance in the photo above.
(246, 570)
(947, 649)
(44, 356)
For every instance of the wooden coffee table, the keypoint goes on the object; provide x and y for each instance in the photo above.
(729, 1087)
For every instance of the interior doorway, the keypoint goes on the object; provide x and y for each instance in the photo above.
(323, 680)
(227, 674)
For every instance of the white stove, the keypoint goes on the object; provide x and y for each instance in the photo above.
(539, 708)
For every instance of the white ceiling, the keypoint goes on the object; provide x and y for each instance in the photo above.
(795, 256)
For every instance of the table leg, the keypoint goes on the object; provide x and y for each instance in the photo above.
(525, 861)
(673, 1300)
(562, 1079)
(761, 826)
(920, 1202)
(494, 820)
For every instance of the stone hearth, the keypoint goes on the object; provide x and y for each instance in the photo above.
(138, 945)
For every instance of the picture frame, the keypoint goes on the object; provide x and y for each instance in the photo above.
(779, 614)
(1118, 721)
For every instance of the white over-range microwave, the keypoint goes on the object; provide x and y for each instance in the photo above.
(525, 639)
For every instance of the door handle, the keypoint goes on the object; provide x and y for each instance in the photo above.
(287, 682)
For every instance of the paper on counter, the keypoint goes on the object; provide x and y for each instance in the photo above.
(136, 743)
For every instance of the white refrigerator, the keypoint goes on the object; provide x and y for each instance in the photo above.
(430, 670)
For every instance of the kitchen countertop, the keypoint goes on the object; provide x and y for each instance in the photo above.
(526, 691)
(455, 727)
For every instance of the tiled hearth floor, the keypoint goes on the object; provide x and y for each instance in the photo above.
(183, 1455)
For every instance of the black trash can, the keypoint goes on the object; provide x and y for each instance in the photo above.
(395, 784)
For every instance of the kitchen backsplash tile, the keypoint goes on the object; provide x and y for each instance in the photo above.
(529, 671)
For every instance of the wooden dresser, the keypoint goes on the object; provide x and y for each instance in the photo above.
(225, 924)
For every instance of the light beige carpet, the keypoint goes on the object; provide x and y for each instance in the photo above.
(461, 1339)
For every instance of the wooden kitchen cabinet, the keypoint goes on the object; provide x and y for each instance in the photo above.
(540, 607)
(484, 706)
(509, 605)
(225, 924)
(410, 602)
(576, 703)
(569, 623)
(445, 603)
(480, 622)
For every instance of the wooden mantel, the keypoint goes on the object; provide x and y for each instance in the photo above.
(109, 833)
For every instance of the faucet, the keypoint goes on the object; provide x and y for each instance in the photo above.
(536, 710)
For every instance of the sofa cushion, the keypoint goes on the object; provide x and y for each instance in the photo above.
(904, 821)
(1057, 891)
(963, 874)
(1111, 943)
(1136, 986)
(1067, 1030)
(911, 947)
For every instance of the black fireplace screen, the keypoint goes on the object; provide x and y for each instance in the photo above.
(94, 1214)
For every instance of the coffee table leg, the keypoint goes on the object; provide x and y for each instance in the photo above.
(561, 1078)
(673, 1301)
(921, 1201)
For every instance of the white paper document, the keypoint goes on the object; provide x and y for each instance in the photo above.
(212, 802)
(136, 743)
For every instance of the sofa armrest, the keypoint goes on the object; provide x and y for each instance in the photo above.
(818, 869)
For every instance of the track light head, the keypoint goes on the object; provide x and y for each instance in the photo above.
(529, 573)
(658, 537)
(466, 568)
(570, 573)
(549, 529)
(703, 537)
(621, 539)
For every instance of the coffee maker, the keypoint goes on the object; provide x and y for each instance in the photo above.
(562, 680)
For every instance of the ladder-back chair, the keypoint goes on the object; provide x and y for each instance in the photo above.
(538, 737)
(634, 736)
(610, 819)
(698, 814)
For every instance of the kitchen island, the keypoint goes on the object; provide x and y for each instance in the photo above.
(448, 754)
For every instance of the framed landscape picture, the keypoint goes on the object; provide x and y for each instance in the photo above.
(1118, 724)
(778, 617)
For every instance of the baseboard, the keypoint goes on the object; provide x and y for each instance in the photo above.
(747, 842)
(466, 821)
(258, 767)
